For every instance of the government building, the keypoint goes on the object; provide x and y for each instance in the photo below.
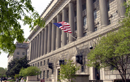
(89, 19)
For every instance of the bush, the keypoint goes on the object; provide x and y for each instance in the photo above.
(16, 76)
(30, 71)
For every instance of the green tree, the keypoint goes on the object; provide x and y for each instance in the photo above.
(30, 71)
(2, 71)
(67, 71)
(11, 13)
(15, 66)
(114, 49)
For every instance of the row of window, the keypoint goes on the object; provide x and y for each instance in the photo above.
(44, 63)
(23, 53)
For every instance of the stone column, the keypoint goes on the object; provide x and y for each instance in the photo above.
(49, 38)
(121, 8)
(32, 49)
(53, 41)
(71, 20)
(31, 45)
(42, 43)
(58, 34)
(79, 19)
(35, 49)
(37, 46)
(45, 40)
(90, 16)
(64, 35)
(103, 12)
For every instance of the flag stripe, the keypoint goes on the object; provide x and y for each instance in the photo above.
(64, 26)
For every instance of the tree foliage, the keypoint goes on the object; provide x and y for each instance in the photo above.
(2, 71)
(114, 49)
(30, 71)
(67, 71)
(15, 66)
(11, 13)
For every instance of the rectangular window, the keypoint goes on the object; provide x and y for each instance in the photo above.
(47, 73)
(95, 14)
(84, 6)
(17, 57)
(84, 21)
(41, 63)
(95, 29)
(23, 53)
(82, 68)
(44, 62)
(47, 61)
(40, 74)
(38, 64)
(85, 33)
(44, 74)
(17, 53)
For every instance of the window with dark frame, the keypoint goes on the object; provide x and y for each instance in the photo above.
(108, 6)
(17, 53)
(84, 20)
(95, 29)
(38, 64)
(23, 53)
(44, 62)
(44, 74)
(47, 61)
(95, 14)
(47, 73)
(41, 63)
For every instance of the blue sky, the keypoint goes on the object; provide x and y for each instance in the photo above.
(39, 6)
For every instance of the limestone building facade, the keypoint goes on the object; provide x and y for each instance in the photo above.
(20, 51)
(88, 19)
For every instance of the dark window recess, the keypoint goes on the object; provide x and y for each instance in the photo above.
(44, 74)
(44, 62)
(84, 6)
(75, 14)
(33, 64)
(85, 33)
(23, 53)
(95, 14)
(108, 6)
(17, 57)
(97, 72)
(40, 74)
(47, 73)
(41, 63)
(58, 75)
(84, 20)
(38, 64)
(109, 21)
(82, 68)
(52, 70)
(95, 29)
(94, 1)
(17, 53)
(48, 61)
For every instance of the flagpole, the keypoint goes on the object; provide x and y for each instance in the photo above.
(72, 36)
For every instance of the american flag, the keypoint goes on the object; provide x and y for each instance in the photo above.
(63, 26)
